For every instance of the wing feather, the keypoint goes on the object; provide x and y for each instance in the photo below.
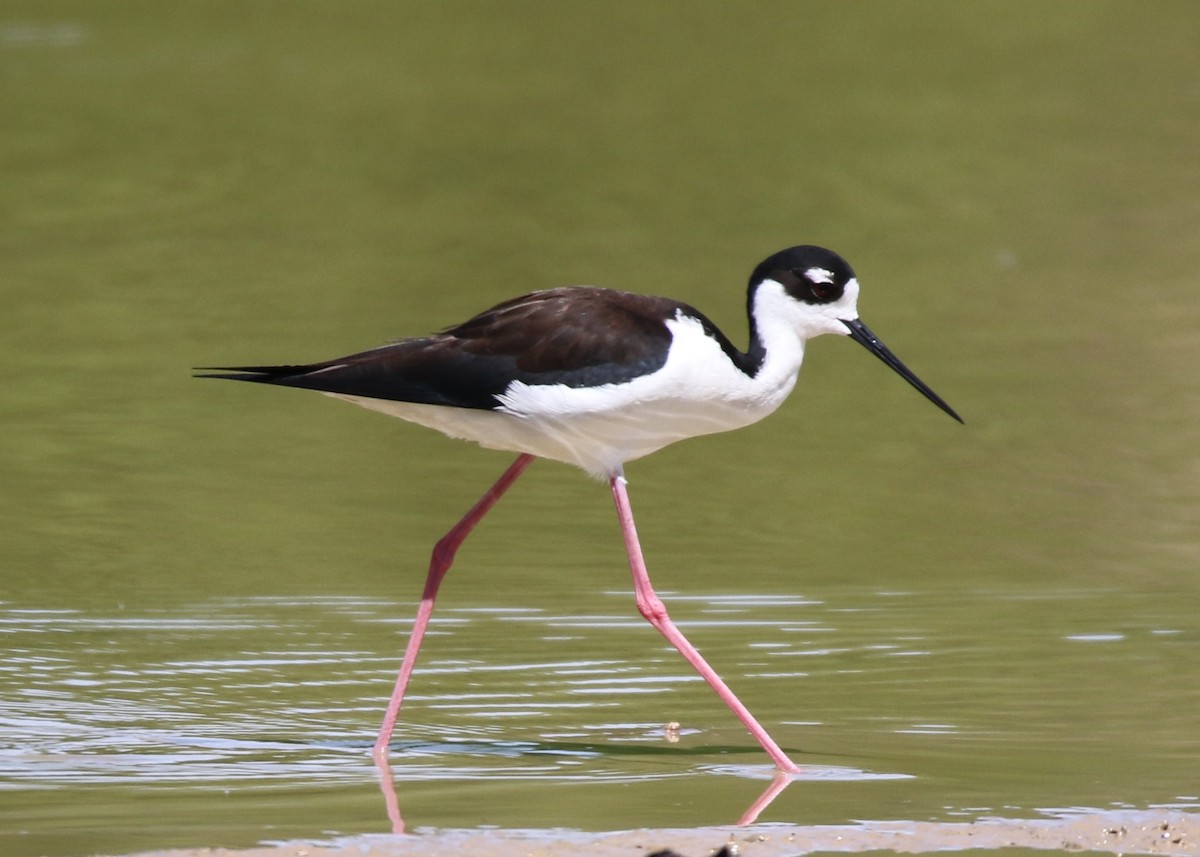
(573, 336)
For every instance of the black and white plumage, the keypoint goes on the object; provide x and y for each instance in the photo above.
(595, 378)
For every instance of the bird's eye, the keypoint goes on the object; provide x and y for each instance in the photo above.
(811, 285)
(820, 288)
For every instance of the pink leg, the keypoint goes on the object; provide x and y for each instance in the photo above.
(655, 612)
(443, 556)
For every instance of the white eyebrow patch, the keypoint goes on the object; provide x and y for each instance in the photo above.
(819, 275)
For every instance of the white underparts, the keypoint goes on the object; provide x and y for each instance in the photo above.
(697, 391)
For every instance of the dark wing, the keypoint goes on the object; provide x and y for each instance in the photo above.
(574, 336)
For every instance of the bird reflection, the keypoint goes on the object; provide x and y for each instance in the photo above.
(387, 785)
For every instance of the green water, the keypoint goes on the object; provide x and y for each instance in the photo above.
(204, 588)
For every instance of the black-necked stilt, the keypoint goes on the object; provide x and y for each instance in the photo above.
(595, 378)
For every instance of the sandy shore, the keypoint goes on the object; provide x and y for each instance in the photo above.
(1113, 832)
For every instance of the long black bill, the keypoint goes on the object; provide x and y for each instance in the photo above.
(861, 334)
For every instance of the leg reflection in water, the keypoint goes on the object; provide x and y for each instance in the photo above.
(387, 785)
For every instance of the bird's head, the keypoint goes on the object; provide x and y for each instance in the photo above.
(814, 287)
(815, 291)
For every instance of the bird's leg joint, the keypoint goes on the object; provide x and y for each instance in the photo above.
(652, 608)
(444, 551)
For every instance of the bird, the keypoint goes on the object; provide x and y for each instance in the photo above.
(595, 378)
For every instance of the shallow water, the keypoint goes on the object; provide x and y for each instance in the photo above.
(265, 709)
(205, 589)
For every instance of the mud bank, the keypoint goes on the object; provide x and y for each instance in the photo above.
(1173, 833)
